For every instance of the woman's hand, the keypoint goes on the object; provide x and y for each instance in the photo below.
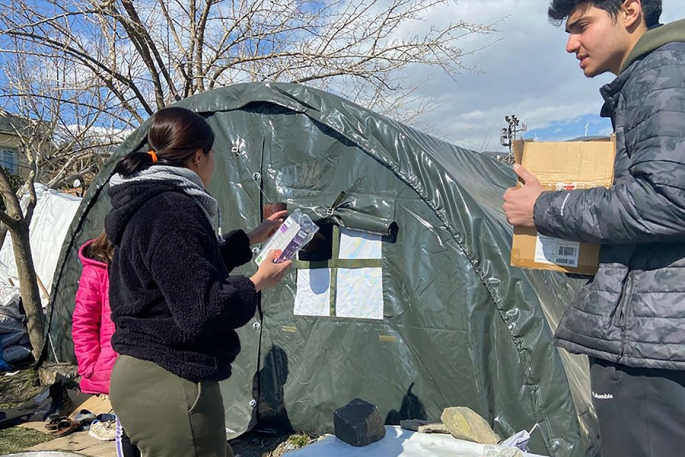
(269, 273)
(267, 228)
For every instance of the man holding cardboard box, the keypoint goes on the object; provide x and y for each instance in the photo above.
(630, 318)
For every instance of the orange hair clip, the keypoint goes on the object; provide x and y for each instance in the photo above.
(153, 155)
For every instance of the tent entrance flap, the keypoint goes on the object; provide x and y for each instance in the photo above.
(364, 213)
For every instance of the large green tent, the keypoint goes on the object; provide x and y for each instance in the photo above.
(408, 302)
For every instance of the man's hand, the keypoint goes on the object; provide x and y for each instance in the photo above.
(520, 201)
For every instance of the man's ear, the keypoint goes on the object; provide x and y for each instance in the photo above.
(631, 13)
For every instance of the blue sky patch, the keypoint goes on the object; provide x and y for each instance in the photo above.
(568, 129)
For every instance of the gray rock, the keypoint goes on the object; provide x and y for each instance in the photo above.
(358, 423)
(463, 423)
(422, 426)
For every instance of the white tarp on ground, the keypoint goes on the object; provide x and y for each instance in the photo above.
(404, 443)
(52, 216)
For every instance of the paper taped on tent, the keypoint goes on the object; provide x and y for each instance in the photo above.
(405, 296)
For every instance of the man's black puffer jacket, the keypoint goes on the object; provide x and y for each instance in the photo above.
(633, 310)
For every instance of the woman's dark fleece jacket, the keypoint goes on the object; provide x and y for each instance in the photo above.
(173, 302)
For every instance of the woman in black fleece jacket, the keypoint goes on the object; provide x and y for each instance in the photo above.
(174, 305)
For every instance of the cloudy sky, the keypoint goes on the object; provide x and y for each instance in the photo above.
(525, 71)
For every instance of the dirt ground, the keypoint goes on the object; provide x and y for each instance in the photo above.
(20, 387)
(253, 444)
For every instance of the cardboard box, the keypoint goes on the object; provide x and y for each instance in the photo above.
(563, 165)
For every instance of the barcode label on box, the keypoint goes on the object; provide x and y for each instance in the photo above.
(567, 251)
(556, 251)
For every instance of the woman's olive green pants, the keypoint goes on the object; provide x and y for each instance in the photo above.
(165, 415)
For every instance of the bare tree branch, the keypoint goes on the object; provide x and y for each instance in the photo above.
(80, 73)
(157, 51)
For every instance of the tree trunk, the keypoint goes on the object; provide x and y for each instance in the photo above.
(3, 233)
(28, 288)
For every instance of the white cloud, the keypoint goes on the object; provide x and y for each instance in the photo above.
(526, 72)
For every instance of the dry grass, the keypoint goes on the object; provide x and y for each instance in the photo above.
(17, 439)
(21, 387)
(300, 440)
(16, 389)
(254, 444)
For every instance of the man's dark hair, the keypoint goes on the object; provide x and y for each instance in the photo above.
(561, 9)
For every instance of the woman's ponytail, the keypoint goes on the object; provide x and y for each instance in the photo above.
(134, 162)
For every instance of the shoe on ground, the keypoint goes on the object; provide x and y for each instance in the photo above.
(103, 431)
(65, 426)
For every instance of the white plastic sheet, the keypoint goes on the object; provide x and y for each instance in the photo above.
(404, 443)
(52, 216)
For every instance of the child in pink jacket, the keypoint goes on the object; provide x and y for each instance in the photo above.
(92, 328)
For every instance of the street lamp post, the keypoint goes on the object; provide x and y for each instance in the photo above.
(508, 135)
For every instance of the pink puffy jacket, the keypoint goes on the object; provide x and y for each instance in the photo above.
(92, 327)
